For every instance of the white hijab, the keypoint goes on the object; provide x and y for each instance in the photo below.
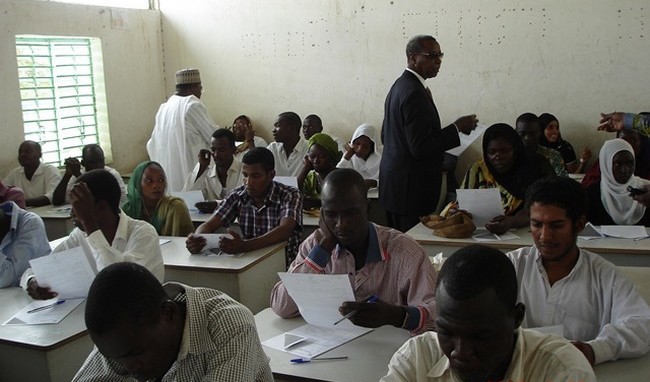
(369, 168)
(615, 197)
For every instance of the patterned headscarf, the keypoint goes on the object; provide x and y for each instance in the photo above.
(326, 142)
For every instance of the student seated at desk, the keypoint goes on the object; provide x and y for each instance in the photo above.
(216, 180)
(527, 126)
(289, 148)
(244, 132)
(597, 307)
(610, 202)
(479, 337)
(147, 200)
(363, 154)
(322, 156)
(552, 139)
(379, 260)
(92, 158)
(105, 231)
(172, 332)
(22, 238)
(36, 179)
(268, 212)
(507, 167)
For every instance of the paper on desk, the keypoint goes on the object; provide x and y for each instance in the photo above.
(69, 272)
(624, 231)
(212, 246)
(467, 140)
(52, 315)
(190, 198)
(319, 296)
(483, 204)
(482, 234)
(291, 181)
(317, 339)
(590, 232)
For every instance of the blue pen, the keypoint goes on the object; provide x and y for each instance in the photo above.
(307, 360)
(46, 306)
(371, 300)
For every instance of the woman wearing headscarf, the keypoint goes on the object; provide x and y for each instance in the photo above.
(322, 155)
(550, 137)
(609, 200)
(147, 200)
(508, 167)
(363, 154)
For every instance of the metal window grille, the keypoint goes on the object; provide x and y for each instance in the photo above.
(58, 95)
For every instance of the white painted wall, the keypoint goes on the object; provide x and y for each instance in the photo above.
(339, 58)
(133, 69)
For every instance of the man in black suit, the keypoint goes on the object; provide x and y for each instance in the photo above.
(414, 142)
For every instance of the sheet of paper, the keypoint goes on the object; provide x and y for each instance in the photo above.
(163, 241)
(190, 198)
(52, 315)
(69, 273)
(466, 140)
(287, 180)
(212, 247)
(318, 339)
(319, 296)
(624, 231)
(590, 232)
(482, 234)
(483, 204)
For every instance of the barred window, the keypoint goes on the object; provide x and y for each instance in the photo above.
(62, 92)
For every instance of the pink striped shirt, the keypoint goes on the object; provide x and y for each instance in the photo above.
(396, 270)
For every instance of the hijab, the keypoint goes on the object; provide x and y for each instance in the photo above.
(544, 120)
(134, 203)
(615, 197)
(327, 143)
(519, 176)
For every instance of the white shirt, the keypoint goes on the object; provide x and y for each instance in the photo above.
(536, 358)
(288, 166)
(183, 127)
(369, 169)
(136, 241)
(113, 172)
(594, 303)
(209, 183)
(43, 183)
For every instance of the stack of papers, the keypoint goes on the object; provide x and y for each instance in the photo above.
(318, 298)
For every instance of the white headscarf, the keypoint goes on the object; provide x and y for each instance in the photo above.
(369, 168)
(615, 197)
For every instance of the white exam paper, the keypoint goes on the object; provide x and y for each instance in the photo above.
(291, 181)
(483, 204)
(52, 315)
(467, 139)
(319, 296)
(190, 198)
(69, 272)
(590, 232)
(213, 243)
(624, 231)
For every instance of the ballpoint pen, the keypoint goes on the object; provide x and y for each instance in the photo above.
(307, 360)
(46, 306)
(373, 299)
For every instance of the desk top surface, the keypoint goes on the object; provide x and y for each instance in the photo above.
(307, 220)
(42, 337)
(52, 212)
(424, 236)
(175, 255)
(369, 356)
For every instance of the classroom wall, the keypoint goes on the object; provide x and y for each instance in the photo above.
(338, 59)
(133, 69)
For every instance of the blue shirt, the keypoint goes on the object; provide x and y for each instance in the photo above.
(26, 240)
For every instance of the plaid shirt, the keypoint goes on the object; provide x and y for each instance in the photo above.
(220, 343)
(281, 201)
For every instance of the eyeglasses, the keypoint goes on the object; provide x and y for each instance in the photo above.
(432, 55)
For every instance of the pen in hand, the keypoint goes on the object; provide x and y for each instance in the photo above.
(373, 299)
(46, 306)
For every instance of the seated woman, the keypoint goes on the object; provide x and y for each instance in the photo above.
(641, 147)
(322, 156)
(363, 154)
(244, 133)
(506, 166)
(609, 200)
(146, 200)
(552, 138)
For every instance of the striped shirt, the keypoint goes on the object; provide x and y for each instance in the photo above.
(396, 270)
(220, 343)
(280, 202)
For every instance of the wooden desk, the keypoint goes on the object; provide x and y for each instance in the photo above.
(628, 370)
(368, 355)
(248, 278)
(52, 352)
(619, 251)
(56, 219)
